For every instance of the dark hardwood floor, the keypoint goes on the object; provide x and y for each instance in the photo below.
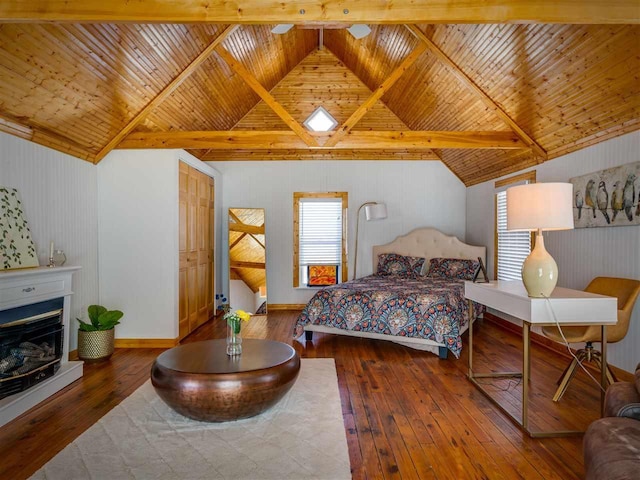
(407, 414)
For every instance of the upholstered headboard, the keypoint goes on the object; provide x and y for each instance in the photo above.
(429, 243)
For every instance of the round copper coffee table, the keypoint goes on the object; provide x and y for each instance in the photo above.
(200, 381)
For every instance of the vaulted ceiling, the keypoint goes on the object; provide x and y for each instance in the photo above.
(485, 98)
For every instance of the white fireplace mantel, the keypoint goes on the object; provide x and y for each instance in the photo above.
(24, 287)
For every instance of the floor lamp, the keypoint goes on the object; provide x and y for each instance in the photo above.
(538, 207)
(372, 211)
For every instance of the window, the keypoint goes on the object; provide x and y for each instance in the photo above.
(511, 248)
(319, 233)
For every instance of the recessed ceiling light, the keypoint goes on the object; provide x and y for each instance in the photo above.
(320, 121)
(282, 28)
(359, 30)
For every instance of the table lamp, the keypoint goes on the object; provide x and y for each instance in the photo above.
(372, 211)
(538, 207)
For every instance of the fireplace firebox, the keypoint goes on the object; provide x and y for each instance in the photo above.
(31, 344)
(25, 288)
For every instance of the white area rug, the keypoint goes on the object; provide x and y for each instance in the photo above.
(303, 436)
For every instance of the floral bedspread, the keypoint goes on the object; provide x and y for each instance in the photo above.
(430, 308)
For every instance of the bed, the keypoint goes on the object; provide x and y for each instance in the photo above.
(417, 304)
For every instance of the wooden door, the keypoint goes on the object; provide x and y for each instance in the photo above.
(205, 248)
(211, 274)
(183, 313)
(196, 249)
(192, 249)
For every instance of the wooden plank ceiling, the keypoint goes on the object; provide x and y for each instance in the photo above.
(485, 99)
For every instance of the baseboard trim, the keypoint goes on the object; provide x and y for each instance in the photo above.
(549, 344)
(145, 342)
(285, 306)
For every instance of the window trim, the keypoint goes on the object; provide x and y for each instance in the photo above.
(297, 196)
(500, 185)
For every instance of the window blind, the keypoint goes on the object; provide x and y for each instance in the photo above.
(320, 238)
(513, 247)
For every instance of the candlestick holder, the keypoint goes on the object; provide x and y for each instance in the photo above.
(51, 263)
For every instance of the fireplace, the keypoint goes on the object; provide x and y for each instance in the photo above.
(35, 306)
(30, 345)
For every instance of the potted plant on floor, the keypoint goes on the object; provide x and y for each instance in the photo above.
(96, 339)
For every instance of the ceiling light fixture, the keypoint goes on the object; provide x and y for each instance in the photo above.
(282, 28)
(359, 30)
(320, 121)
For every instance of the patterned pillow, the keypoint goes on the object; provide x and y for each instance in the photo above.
(394, 264)
(452, 268)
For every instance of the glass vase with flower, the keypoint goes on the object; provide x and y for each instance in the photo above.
(234, 330)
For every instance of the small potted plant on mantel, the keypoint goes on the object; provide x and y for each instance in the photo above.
(96, 339)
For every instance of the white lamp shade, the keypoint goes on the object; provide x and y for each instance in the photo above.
(544, 206)
(378, 211)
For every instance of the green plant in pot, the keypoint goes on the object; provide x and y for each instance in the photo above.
(96, 337)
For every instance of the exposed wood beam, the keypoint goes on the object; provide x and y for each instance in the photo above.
(323, 26)
(258, 241)
(368, 104)
(363, 140)
(334, 154)
(239, 264)
(241, 223)
(251, 229)
(235, 218)
(262, 92)
(322, 11)
(166, 91)
(432, 139)
(469, 83)
(237, 241)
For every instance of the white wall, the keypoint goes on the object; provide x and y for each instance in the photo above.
(138, 232)
(241, 297)
(584, 253)
(417, 194)
(59, 194)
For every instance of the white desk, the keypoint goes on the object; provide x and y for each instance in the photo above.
(568, 307)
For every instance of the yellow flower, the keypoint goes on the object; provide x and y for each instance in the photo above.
(243, 315)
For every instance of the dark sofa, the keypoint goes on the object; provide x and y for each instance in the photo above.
(612, 443)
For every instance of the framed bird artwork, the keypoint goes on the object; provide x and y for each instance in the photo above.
(608, 198)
